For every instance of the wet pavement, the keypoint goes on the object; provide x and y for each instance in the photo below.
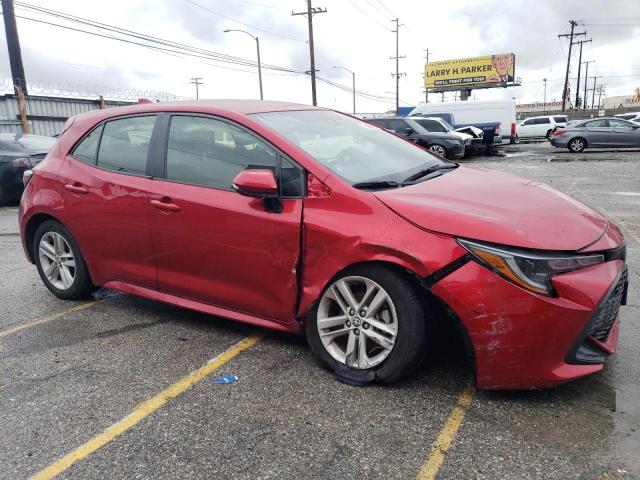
(66, 378)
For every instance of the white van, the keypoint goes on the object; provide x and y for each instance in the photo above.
(475, 113)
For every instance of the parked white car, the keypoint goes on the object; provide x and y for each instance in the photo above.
(631, 116)
(540, 127)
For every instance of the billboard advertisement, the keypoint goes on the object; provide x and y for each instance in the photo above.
(472, 71)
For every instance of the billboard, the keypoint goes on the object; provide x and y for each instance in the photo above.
(473, 71)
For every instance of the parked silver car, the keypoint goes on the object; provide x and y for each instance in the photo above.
(597, 132)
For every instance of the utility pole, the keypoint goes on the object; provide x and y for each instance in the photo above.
(311, 11)
(426, 92)
(544, 101)
(573, 24)
(397, 58)
(586, 76)
(13, 46)
(197, 81)
(593, 97)
(579, 65)
(600, 91)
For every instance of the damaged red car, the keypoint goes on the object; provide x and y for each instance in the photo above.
(303, 219)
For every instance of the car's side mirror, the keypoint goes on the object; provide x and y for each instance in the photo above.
(259, 183)
(408, 131)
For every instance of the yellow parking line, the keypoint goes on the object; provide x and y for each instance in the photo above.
(447, 435)
(144, 410)
(48, 318)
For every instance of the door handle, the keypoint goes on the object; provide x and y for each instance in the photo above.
(76, 188)
(165, 205)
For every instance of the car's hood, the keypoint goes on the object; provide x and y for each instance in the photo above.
(461, 135)
(499, 208)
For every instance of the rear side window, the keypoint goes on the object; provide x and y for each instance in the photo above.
(397, 125)
(86, 150)
(209, 152)
(560, 119)
(540, 121)
(596, 123)
(125, 144)
(380, 123)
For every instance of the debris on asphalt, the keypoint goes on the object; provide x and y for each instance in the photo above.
(226, 379)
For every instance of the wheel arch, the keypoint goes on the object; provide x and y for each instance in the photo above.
(30, 231)
(441, 312)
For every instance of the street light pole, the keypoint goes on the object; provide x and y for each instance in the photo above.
(544, 101)
(258, 51)
(353, 75)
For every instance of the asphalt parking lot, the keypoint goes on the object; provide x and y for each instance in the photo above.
(126, 386)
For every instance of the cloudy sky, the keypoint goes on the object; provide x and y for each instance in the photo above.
(353, 33)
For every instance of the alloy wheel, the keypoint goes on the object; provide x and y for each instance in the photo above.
(57, 260)
(576, 145)
(357, 322)
(438, 150)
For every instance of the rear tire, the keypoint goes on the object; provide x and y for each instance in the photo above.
(60, 264)
(548, 135)
(577, 145)
(438, 150)
(400, 318)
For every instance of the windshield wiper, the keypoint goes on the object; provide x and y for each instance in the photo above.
(427, 171)
(376, 184)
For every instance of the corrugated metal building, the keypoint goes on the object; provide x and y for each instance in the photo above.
(46, 115)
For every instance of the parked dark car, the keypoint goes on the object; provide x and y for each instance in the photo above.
(18, 153)
(598, 132)
(472, 137)
(446, 145)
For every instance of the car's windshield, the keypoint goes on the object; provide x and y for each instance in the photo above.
(353, 149)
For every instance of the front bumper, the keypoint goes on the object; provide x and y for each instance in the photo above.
(522, 340)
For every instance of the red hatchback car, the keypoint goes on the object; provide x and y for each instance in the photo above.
(299, 218)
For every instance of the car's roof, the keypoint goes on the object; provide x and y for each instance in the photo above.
(229, 106)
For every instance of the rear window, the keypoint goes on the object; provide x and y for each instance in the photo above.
(596, 123)
(125, 143)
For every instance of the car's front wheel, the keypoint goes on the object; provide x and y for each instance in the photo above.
(438, 150)
(60, 263)
(576, 145)
(369, 324)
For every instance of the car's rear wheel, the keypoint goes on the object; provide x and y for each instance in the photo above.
(60, 263)
(438, 150)
(369, 324)
(548, 135)
(576, 145)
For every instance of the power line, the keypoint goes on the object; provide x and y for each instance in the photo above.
(368, 16)
(253, 27)
(176, 49)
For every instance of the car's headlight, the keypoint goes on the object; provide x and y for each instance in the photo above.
(532, 271)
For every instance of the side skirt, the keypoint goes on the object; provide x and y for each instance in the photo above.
(144, 292)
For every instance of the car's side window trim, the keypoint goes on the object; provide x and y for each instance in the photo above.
(164, 140)
(101, 127)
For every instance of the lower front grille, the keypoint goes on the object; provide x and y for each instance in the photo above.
(607, 312)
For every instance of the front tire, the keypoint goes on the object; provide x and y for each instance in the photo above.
(369, 324)
(576, 145)
(60, 263)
